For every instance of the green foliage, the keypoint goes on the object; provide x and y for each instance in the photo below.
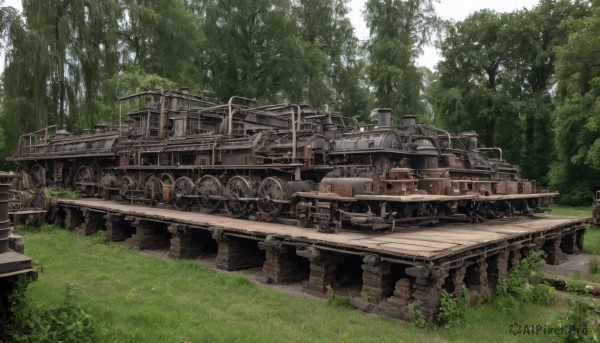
(594, 265)
(337, 300)
(581, 322)
(414, 308)
(49, 192)
(68, 322)
(399, 29)
(577, 115)
(577, 287)
(452, 311)
(524, 284)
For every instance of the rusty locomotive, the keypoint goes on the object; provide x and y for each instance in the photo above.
(285, 162)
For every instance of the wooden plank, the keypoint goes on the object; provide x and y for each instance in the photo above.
(406, 242)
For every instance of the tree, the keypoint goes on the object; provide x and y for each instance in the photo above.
(398, 30)
(577, 116)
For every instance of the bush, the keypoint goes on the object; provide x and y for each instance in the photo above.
(414, 309)
(36, 323)
(577, 287)
(581, 321)
(594, 265)
(524, 285)
(452, 311)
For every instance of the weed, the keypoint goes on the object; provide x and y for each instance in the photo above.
(544, 295)
(336, 300)
(577, 287)
(581, 322)
(36, 323)
(522, 281)
(368, 297)
(414, 309)
(594, 265)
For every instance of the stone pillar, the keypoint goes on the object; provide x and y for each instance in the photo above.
(476, 275)
(236, 253)
(73, 218)
(149, 234)
(568, 243)
(282, 264)
(185, 242)
(396, 306)
(93, 222)
(376, 277)
(514, 256)
(322, 269)
(427, 290)
(497, 268)
(554, 254)
(579, 236)
(117, 228)
(455, 280)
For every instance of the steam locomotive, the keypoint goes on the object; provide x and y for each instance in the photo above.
(285, 162)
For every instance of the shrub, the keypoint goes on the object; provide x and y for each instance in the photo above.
(35, 323)
(594, 265)
(577, 287)
(414, 309)
(544, 295)
(522, 281)
(452, 311)
(580, 324)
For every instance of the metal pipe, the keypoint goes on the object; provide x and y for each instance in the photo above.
(229, 105)
(499, 150)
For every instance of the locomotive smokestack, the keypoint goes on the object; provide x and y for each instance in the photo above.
(384, 117)
(409, 122)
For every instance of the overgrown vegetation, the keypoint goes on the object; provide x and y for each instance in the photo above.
(49, 192)
(452, 311)
(414, 309)
(577, 287)
(581, 324)
(525, 285)
(34, 322)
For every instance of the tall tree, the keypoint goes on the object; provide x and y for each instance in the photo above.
(398, 31)
(577, 117)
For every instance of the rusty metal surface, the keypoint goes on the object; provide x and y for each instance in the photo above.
(375, 177)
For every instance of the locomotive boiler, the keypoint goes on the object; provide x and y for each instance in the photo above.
(285, 162)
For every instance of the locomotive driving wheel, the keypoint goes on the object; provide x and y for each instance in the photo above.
(106, 183)
(273, 195)
(84, 181)
(182, 190)
(152, 188)
(127, 186)
(207, 188)
(302, 209)
(239, 191)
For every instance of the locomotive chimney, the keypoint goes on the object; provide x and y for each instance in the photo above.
(384, 117)
(408, 123)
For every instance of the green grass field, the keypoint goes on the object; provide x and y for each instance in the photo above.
(136, 297)
(575, 211)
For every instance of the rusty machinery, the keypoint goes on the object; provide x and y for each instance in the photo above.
(284, 162)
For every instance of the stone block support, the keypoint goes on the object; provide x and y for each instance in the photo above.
(554, 254)
(117, 228)
(497, 268)
(568, 243)
(73, 218)
(187, 242)
(376, 277)
(149, 234)
(323, 267)
(93, 221)
(579, 236)
(427, 290)
(397, 305)
(454, 282)
(476, 277)
(282, 264)
(514, 257)
(237, 253)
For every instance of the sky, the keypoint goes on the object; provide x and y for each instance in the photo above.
(456, 10)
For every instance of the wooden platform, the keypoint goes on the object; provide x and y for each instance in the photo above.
(407, 243)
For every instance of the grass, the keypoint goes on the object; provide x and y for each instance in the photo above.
(140, 298)
(571, 211)
(591, 243)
